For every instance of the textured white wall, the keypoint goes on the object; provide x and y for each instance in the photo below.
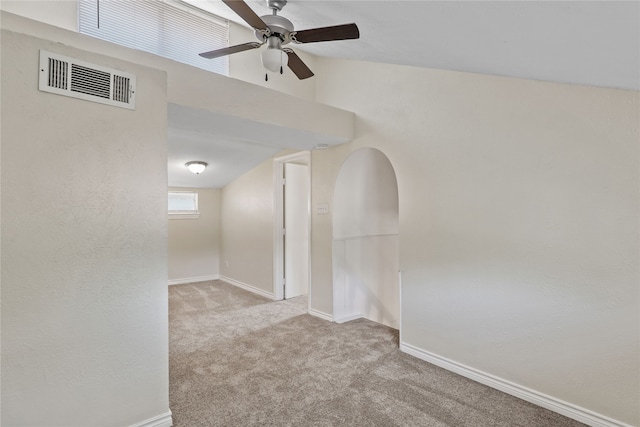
(518, 223)
(84, 232)
(60, 13)
(247, 228)
(194, 243)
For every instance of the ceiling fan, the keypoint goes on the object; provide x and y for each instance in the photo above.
(276, 31)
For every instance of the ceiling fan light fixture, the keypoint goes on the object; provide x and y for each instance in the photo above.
(196, 166)
(276, 31)
(273, 59)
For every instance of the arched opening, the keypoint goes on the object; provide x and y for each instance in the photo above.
(365, 240)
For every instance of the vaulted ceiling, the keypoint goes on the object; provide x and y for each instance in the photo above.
(593, 43)
(583, 42)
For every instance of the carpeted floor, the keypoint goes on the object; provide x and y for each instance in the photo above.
(237, 359)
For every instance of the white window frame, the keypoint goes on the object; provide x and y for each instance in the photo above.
(189, 214)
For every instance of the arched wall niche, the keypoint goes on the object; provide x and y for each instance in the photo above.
(365, 239)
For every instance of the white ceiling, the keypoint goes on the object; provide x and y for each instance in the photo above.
(581, 42)
(230, 145)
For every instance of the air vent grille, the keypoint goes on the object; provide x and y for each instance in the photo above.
(70, 77)
(58, 71)
(90, 81)
(121, 88)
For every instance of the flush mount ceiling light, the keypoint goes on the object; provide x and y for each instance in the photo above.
(196, 167)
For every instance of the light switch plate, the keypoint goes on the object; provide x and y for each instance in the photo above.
(322, 208)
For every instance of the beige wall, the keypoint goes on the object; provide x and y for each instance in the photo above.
(194, 243)
(325, 166)
(518, 216)
(518, 223)
(84, 231)
(247, 229)
(61, 13)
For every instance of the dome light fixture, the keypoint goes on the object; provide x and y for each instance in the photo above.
(196, 167)
(274, 60)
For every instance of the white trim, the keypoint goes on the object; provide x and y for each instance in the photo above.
(309, 293)
(321, 314)
(162, 420)
(194, 279)
(278, 223)
(556, 405)
(294, 157)
(400, 306)
(348, 318)
(247, 287)
(184, 216)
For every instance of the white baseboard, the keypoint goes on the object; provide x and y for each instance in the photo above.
(348, 318)
(321, 314)
(247, 287)
(194, 279)
(556, 405)
(162, 420)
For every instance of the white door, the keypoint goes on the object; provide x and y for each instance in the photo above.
(296, 225)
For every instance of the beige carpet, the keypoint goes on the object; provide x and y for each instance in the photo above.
(237, 359)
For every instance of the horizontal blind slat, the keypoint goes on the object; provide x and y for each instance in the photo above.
(157, 27)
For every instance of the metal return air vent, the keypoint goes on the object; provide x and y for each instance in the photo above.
(70, 77)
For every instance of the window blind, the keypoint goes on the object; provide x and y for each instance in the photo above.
(168, 28)
(183, 203)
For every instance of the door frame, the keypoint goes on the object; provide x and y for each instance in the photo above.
(278, 219)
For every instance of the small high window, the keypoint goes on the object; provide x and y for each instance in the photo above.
(168, 28)
(183, 204)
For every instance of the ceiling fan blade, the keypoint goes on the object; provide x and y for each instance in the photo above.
(296, 65)
(325, 34)
(231, 49)
(245, 12)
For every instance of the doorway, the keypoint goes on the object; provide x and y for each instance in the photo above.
(291, 225)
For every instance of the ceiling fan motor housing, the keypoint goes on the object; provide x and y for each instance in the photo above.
(276, 4)
(279, 26)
